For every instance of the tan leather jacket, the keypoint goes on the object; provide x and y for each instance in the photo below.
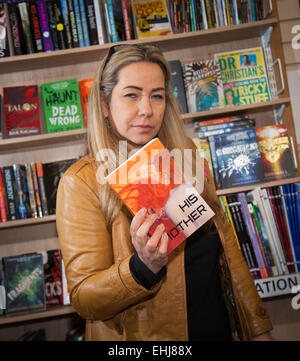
(102, 289)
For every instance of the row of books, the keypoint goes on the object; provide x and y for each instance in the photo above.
(196, 15)
(266, 225)
(29, 190)
(33, 282)
(241, 154)
(64, 107)
(46, 25)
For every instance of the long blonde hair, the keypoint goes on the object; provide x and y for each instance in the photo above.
(171, 133)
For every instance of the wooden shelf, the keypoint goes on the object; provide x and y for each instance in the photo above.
(246, 188)
(41, 140)
(166, 43)
(27, 222)
(55, 312)
(236, 109)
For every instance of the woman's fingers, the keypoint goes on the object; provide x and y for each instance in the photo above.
(137, 220)
(153, 241)
(163, 247)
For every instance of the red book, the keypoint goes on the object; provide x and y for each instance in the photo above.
(150, 179)
(53, 278)
(21, 111)
(3, 216)
(85, 88)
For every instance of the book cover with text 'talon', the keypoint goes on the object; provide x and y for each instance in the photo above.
(151, 179)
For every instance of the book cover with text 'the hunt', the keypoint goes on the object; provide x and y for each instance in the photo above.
(151, 179)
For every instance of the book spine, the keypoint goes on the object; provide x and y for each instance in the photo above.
(66, 21)
(78, 22)
(100, 22)
(296, 212)
(242, 235)
(3, 213)
(10, 193)
(15, 28)
(40, 176)
(251, 231)
(36, 190)
(91, 22)
(276, 241)
(60, 28)
(52, 23)
(9, 37)
(36, 31)
(264, 240)
(84, 23)
(258, 236)
(23, 8)
(107, 22)
(212, 147)
(126, 20)
(21, 204)
(45, 30)
(283, 236)
(73, 26)
(31, 193)
(112, 21)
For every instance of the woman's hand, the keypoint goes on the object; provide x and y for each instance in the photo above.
(153, 255)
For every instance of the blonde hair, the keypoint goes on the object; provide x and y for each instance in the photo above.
(171, 133)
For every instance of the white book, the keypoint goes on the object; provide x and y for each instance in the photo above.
(256, 198)
(276, 238)
(100, 22)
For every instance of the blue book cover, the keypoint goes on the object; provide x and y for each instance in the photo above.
(78, 23)
(289, 210)
(238, 157)
(296, 213)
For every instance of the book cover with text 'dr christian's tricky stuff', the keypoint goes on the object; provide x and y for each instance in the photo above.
(151, 179)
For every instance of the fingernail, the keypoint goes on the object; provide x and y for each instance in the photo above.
(142, 210)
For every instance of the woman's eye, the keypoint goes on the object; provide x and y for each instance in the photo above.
(158, 96)
(131, 95)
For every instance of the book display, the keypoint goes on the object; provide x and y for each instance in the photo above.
(254, 162)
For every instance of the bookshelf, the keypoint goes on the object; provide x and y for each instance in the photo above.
(22, 236)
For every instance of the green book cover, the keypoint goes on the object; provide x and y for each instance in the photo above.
(24, 283)
(62, 105)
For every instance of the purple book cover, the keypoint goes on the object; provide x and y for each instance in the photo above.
(44, 25)
(241, 197)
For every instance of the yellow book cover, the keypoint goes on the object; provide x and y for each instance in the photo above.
(150, 179)
(244, 76)
(151, 18)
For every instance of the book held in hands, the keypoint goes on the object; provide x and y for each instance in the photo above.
(151, 179)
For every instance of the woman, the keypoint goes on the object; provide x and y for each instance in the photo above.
(120, 280)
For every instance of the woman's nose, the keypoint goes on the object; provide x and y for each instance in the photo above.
(145, 107)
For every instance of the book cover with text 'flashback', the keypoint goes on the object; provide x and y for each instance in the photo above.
(150, 179)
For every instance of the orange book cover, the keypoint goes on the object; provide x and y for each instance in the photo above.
(85, 86)
(276, 152)
(150, 179)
